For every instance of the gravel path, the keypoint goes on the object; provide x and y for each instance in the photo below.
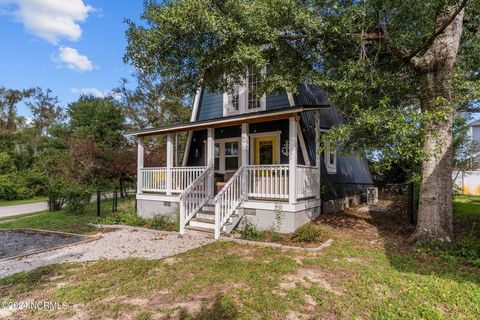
(119, 244)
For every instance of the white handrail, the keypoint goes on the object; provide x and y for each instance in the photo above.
(268, 181)
(194, 197)
(307, 182)
(228, 199)
(155, 179)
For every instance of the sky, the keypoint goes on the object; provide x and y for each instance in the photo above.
(69, 46)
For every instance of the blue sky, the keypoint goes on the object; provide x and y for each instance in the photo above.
(69, 46)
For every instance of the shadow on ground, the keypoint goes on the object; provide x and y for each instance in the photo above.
(387, 226)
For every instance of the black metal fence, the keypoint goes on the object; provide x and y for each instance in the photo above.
(106, 201)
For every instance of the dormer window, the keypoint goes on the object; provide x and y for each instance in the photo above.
(244, 98)
(253, 102)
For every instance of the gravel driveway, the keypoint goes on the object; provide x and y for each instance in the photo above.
(119, 244)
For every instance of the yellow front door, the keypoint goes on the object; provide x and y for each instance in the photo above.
(266, 150)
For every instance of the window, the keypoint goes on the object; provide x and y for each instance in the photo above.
(244, 98)
(217, 157)
(253, 102)
(226, 155)
(231, 155)
(330, 157)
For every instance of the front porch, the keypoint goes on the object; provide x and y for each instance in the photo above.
(265, 182)
(243, 168)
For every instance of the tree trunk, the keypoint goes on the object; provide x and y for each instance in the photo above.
(435, 69)
(435, 202)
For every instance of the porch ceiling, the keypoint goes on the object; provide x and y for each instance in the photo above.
(261, 116)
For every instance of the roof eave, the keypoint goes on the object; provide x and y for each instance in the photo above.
(261, 116)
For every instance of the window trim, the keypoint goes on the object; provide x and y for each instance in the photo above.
(331, 167)
(242, 99)
(221, 154)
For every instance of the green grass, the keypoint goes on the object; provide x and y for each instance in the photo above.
(61, 220)
(250, 282)
(4, 203)
(467, 207)
(367, 273)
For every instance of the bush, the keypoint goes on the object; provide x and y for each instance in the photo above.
(77, 198)
(125, 215)
(307, 233)
(126, 218)
(250, 232)
(161, 222)
(14, 186)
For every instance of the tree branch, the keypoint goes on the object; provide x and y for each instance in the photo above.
(437, 32)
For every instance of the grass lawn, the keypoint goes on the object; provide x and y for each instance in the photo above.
(467, 207)
(4, 203)
(369, 272)
(61, 220)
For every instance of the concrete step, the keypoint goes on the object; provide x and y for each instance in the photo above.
(202, 223)
(206, 230)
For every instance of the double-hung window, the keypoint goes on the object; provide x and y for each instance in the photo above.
(245, 98)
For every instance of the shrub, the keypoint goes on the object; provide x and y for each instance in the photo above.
(307, 233)
(127, 218)
(250, 232)
(77, 198)
(125, 215)
(14, 186)
(161, 222)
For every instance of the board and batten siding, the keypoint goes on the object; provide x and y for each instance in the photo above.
(211, 104)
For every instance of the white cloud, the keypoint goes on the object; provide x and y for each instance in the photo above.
(51, 19)
(90, 91)
(73, 59)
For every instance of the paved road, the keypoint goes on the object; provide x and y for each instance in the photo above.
(19, 209)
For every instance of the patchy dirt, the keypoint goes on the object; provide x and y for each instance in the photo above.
(308, 276)
(386, 220)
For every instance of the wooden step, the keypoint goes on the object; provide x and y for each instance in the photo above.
(202, 223)
(208, 207)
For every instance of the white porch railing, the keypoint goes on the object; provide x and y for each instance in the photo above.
(156, 179)
(194, 197)
(267, 181)
(271, 181)
(307, 182)
(228, 199)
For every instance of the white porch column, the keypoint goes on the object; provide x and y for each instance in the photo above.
(210, 157)
(245, 156)
(317, 150)
(169, 162)
(292, 161)
(140, 163)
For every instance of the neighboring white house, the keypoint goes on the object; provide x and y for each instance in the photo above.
(468, 179)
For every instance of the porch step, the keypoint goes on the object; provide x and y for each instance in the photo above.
(208, 207)
(207, 230)
(205, 215)
(202, 223)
